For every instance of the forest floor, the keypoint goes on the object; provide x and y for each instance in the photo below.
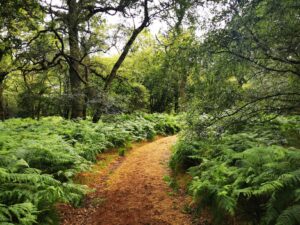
(130, 190)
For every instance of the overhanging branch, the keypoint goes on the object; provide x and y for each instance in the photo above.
(128, 45)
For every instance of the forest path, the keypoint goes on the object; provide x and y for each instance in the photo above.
(130, 190)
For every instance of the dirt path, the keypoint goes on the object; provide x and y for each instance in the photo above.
(131, 191)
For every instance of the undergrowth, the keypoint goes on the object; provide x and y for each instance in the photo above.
(38, 159)
(252, 176)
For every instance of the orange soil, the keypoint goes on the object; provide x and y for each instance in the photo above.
(130, 190)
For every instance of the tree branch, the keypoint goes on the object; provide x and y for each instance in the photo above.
(128, 45)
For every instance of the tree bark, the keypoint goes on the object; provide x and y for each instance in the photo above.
(2, 108)
(77, 98)
(2, 113)
(86, 89)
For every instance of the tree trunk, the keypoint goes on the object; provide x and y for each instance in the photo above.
(2, 111)
(74, 72)
(86, 89)
(65, 96)
(84, 110)
(176, 101)
(2, 108)
(96, 116)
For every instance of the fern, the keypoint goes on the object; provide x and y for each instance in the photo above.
(22, 213)
(289, 216)
(251, 175)
(38, 159)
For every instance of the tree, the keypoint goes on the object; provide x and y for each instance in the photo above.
(172, 60)
(70, 33)
(72, 18)
(250, 66)
(16, 17)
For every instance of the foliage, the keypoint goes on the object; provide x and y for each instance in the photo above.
(248, 66)
(169, 65)
(252, 175)
(241, 145)
(238, 83)
(39, 158)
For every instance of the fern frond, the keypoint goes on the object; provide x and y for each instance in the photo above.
(290, 216)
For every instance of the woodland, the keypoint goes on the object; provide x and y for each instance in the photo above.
(81, 77)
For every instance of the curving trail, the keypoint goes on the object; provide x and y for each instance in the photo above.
(131, 191)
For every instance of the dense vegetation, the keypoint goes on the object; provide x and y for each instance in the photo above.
(59, 58)
(38, 159)
(231, 68)
(241, 146)
(250, 176)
